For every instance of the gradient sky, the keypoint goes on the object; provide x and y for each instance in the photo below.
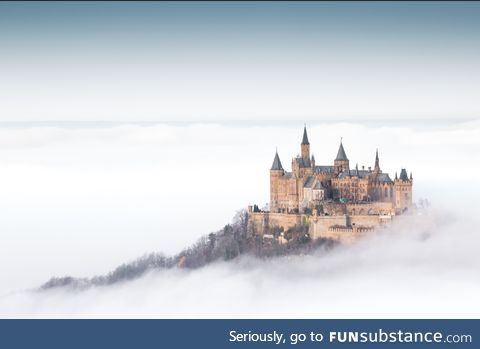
(161, 61)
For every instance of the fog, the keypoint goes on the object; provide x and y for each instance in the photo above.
(81, 199)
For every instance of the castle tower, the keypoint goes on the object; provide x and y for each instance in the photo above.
(276, 175)
(341, 162)
(376, 169)
(403, 191)
(305, 146)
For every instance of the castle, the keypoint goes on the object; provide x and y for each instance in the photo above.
(334, 201)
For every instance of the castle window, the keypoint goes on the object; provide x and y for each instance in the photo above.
(386, 192)
(406, 196)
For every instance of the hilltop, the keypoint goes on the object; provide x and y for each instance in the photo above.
(234, 240)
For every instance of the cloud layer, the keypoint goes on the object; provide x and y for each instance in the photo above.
(424, 269)
(80, 201)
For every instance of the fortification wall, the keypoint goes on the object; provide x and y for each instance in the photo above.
(334, 208)
(263, 220)
(347, 235)
(367, 220)
(372, 208)
(320, 224)
(344, 228)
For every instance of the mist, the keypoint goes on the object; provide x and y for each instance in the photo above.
(82, 200)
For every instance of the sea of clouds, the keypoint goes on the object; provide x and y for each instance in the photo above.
(81, 199)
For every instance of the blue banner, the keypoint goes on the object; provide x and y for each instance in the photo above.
(191, 334)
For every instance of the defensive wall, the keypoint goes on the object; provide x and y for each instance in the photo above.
(342, 223)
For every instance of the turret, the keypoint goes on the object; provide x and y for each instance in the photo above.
(312, 161)
(341, 162)
(305, 146)
(276, 174)
(403, 191)
(277, 169)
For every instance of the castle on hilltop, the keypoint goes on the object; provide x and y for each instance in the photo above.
(335, 201)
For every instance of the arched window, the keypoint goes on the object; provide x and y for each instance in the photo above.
(386, 192)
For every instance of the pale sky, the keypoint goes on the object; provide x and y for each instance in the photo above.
(156, 61)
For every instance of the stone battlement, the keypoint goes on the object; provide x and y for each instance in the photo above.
(342, 227)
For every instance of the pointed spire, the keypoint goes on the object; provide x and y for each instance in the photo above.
(305, 137)
(377, 162)
(396, 176)
(277, 165)
(341, 152)
(356, 169)
(411, 178)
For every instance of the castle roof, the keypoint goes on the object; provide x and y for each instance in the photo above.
(341, 153)
(362, 173)
(324, 169)
(313, 183)
(403, 175)
(303, 162)
(277, 165)
(380, 177)
(354, 173)
(305, 138)
(384, 178)
(309, 182)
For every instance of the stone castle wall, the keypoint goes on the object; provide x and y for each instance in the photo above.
(346, 228)
(263, 220)
(341, 227)
(374, 208)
